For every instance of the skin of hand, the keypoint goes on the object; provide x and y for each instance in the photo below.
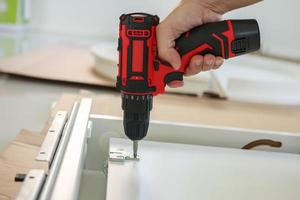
(186, 16)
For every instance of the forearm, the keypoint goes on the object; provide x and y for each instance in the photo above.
(223, 6)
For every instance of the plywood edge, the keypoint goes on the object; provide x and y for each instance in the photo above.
(8, 187)
(28, 137)
(23, 155)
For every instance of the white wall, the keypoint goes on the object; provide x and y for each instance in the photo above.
(91, 17)
(279, 19)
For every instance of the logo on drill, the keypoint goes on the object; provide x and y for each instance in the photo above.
(138, 33)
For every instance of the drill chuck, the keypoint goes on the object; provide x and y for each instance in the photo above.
(136, 115)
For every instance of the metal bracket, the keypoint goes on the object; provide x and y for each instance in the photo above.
(56, 162)
(32, 185)
(89, 129)
(120, 155)
(52, 138)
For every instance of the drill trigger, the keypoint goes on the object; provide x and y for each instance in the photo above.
(173, 76)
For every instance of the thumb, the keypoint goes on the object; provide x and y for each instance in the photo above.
(166, 44)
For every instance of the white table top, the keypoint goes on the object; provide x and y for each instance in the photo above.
(177, 171)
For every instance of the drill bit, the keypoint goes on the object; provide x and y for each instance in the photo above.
(135, 148)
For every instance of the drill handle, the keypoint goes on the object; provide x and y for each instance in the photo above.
(227, 39)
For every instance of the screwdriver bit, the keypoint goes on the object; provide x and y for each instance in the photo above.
(135, 148)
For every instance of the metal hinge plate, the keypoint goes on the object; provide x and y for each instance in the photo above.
(120, 155)
(32, 185)
(52, 138)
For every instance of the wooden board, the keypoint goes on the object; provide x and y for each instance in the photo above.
(213, 112)
(207, 111)
(61, 62)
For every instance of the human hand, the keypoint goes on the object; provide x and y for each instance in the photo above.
(189, 14)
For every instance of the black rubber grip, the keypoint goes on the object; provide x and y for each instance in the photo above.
(245, 39)
(227, 39)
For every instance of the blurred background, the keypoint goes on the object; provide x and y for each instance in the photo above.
(99, 19)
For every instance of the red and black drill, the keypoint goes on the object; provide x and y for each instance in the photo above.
(142, 75)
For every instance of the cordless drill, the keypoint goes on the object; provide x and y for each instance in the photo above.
(142, 75)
